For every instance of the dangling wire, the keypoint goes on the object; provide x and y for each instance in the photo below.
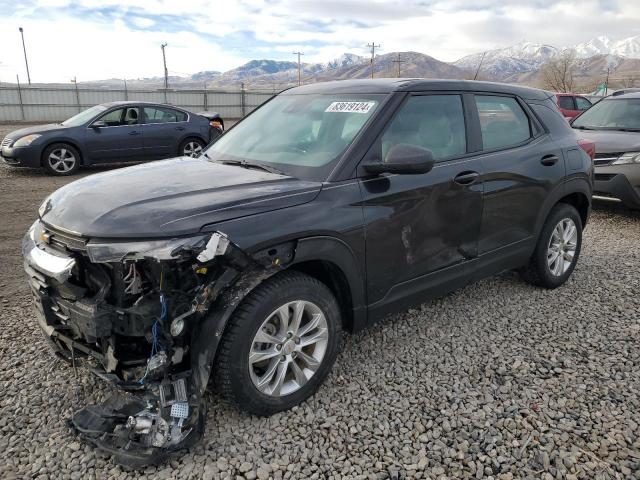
(157, 324)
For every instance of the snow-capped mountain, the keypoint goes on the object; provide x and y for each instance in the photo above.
(345, 60)
(502, 62)
(604, 45)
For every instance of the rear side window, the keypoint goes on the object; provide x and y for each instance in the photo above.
(435, 122)
(566, 103)
(163, 115)
(503, 123)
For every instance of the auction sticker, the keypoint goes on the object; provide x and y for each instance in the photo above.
(350, 107)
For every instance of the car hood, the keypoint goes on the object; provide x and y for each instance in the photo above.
(16, 134)
(169, 198)
(612, 141)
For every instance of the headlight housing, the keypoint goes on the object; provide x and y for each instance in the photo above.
(165, 249)
(26, 140)
(628, 159)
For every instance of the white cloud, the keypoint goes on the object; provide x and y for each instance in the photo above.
(96, 39)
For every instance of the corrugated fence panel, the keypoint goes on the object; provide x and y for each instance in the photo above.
(44, 104)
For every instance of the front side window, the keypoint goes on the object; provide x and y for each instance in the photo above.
(300, 135)
(611, 114)
(566, 103)
(120, 116)
(503, 123)
(163, 115)
(435, 122)
(582, 103)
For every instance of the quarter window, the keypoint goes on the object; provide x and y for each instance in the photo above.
(435, 122)
(503, 123)
(163, 115)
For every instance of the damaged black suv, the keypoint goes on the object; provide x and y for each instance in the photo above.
(327, 208)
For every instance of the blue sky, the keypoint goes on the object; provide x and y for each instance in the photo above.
(96, 39)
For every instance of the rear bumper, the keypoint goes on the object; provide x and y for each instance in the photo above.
(21, 156)
(619, 182)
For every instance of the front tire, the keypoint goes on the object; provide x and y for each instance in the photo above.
(557, 250)
(280, 344)
(61, 159)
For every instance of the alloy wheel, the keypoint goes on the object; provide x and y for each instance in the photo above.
(562, 247)
(192, 149)
(288, 348)
(61, 160)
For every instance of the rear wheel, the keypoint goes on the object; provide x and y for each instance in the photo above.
(61, 159)
(280, 344)
(558, 248)
(191, 147)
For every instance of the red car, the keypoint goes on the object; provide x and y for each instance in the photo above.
(572, 105)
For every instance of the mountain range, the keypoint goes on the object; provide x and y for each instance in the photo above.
(519, 63)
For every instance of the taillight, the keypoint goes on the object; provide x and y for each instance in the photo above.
(588, 146)
(217, 124)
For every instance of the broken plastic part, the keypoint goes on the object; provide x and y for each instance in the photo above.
(217, 245)
(166, 249)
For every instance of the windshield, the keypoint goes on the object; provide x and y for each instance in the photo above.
(611, 114)
(300, 135)
(84, 116)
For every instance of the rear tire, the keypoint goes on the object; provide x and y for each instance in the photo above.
(191, 147)
(266, 365)
(557, 250)
(61, 159)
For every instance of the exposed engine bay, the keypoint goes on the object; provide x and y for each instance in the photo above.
(149, 316)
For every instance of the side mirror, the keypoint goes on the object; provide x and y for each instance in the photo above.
(98, 124)
(404, 158)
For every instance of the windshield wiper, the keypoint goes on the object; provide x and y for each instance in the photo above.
(583, 127)
(254, 165)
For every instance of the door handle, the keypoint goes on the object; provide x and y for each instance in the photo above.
(549, 160)
(466, 178)
(134, 133)
(179, 128)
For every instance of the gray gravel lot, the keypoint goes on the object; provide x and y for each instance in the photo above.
(497, 380)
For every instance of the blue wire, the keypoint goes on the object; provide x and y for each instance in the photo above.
(155, 342)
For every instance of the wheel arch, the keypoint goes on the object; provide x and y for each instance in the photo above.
(576, 192)
(581, 203)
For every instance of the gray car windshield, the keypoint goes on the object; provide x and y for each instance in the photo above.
(84, 116)
(612, 114)
(301, 135)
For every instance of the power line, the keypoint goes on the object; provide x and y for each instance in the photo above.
(299, 74)
(373, 47)
(398, 61)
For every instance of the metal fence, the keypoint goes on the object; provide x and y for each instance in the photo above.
(44, 104)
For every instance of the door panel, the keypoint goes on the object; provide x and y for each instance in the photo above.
(163, 128)
(120, 140)
(417, 225)
(520, 176)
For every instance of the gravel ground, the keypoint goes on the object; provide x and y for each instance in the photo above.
(498, 380)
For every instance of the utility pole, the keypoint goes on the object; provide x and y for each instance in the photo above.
(373, 47)
(475, 77)
(299, 75)
(398, 61)
(166, 72)
(24, 49)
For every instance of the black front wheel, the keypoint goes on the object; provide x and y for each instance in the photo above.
(280, 344)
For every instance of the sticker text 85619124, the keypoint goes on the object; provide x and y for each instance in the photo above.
(350, 107)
